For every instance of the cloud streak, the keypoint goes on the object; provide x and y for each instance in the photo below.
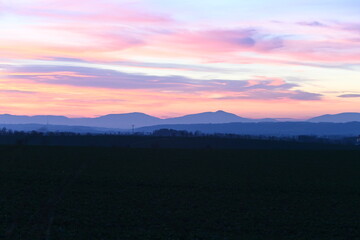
(88, 11)
(224, 40)
(264, 88)
(349, 96)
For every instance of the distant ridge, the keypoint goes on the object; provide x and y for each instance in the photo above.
(127, 120)
(337, 118)
(59, 128)
(280, 129)
(268, 128)
(207, 117)
(122, 121)
(138, 120)
(211, 117)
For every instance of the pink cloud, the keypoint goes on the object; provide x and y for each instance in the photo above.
(339, 50)
(312, 24)
(258, 88)
(104, 31)
(249, 46)
(210, 41)
(93, 11)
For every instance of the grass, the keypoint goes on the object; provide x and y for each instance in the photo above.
(110, 193)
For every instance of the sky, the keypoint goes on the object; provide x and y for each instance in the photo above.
(259, 58)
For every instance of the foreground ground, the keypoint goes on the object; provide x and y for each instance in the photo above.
(109, 193)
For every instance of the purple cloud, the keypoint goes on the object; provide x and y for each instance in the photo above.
(350, 96)
(16, 91)
(103, 78)
(219, 40)
(269, 95)
(312, 24)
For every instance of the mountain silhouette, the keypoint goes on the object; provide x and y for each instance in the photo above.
(207, 117)
(38, 119)
(122, 121)
(337, 118)
(127, 120)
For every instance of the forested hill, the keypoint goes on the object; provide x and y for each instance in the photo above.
(268, 128)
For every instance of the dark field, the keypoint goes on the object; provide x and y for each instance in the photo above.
(108, 193)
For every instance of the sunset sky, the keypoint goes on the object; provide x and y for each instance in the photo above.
(258, 58)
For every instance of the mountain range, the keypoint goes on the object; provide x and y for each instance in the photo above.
(138, 120)
(337, 118)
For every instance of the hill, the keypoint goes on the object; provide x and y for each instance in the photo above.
(127, 120)
(337, 118)
(268, 128)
